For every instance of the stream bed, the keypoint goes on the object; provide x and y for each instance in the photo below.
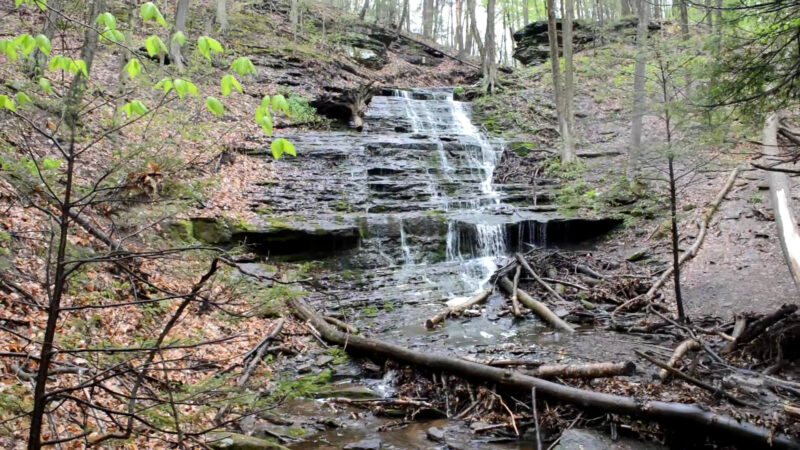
(405, 218)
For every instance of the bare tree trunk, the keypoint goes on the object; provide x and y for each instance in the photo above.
(294, 14)
(427, 18)
(684, 18)
(474, 29)
(222, 16)
(568, 154)
(459, 27)
(489, 48)
(181, 13)
(638, 94)
(403, 15)
(555, 65)
(526, 11)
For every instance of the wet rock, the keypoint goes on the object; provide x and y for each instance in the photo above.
(435, 434)
(233, 441)
(323, 360)
(590, 439)
(211, 230)
(366, 444)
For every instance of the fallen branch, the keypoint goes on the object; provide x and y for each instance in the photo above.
(343, 325)
(738, 329)
(680, 351)
(514, 296)
(692, 252)
(701, 384)
(667, 412)
(594, 370)
(529, 269)
(458, 309)
(260, 351)
(759, 326)
(536, 306)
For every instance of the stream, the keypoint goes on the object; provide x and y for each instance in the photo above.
(405, 218)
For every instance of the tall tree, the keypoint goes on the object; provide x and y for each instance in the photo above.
(568, 152)
(179, 28)
(555, 64)
(222, 16)
(684, 18)
(427, 18)
(489, 48)
(294, 15)
(638, 94)
(459, 27)
(51, 19)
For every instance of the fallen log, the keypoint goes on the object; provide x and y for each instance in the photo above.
(594, 370)
(738, 329)
(529, 269)
(536, 306)
(458, 309)
(680, 351)
(343, 325)
(759, 326)
(667, 412)
(260, 350)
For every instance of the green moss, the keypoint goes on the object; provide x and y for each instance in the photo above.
(339, 355)
(370, 311)
(305, 386)
(181, 231)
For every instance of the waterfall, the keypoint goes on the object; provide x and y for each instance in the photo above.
(408, 258)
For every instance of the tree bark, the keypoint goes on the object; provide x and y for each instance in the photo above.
(684, 18)
(427, 18)
(668, 412)
(594, 370)
(568, 155)
(222, 16)
(638, 94)
(181, 14)
(458, 309)
(489, 48)
(536, 306)
(782, 205)
(555, 65)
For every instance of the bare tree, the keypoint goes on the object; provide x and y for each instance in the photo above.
(489, 58)
(568, 152)
(222, 16)
(181, 14)
(638, 94)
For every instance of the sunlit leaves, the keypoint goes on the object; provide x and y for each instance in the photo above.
(43, 43)
(279, 103)
(207, 45)
(41, 4)
(26, 43)
(155, 46)
(179, 38)
(107, 19)
(22, 98)
(134, 108)
(133, 67)
(264, 119)
(243, 66)
(9, 48)
(68, 64)
(215, 106)
(183, 87)
(149, 11)
(165, 84)
(280, 146)
(228, 83)
(7, 103)
(44, 83)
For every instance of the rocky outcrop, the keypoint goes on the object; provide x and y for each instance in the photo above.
(345, 105)
(532, 42)
(368, 44)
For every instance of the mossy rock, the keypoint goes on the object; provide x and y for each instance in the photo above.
(347, 391)
(181, 231)
(234, 441)
(211, 230)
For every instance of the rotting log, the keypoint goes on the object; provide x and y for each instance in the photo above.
(668, 412)
(458, 309)
(341, 324)
(592, 370)
(680, 351)
(759, 326)
(781, 196)
(536, 306)
(738, 329)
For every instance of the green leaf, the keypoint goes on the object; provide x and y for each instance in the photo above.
(279, 103)
(280, 146)
(26, 43)
(264, 120)
(134, 107)
(7, 103)
(133, 67)
(44, 44)
(265, 101)
(148, 11)
(165, 84)
(108, 20)
(206, 45)
(215, 106)
(22, 98)
(79, 66)
(243, 66)
(155, 46)
(229, 82)
(44, 83)
(42, 4)
(183, 87)
(179, 38)
(50, 163)
(9, 48)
